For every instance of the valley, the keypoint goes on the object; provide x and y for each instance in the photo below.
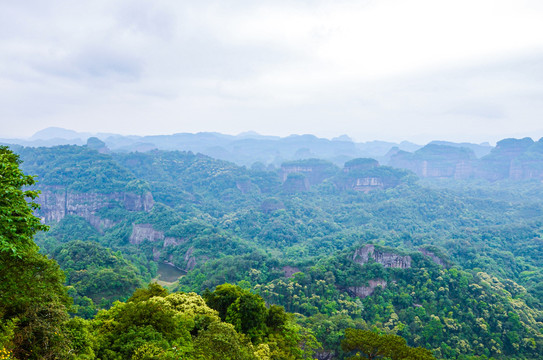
(433, 252)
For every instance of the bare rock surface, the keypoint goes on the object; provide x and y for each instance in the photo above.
(365, 291)
(387, 259)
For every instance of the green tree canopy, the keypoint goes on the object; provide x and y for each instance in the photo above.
(33, 300)
(367, 344)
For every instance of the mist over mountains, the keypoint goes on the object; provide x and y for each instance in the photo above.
(518, 159)
(245, 148)
(439, 244)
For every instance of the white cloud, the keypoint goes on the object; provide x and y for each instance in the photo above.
(386, 69)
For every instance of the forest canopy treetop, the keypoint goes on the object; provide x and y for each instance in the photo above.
(17, 222)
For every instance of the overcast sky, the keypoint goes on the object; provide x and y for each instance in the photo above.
(463, 70)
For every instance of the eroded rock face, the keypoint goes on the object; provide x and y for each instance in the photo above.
(364, 174)
(436, 161)
(315, 170)
(134, 202)
(190, 260)
(516, 159)
(171, 241)
(286, 170)
(368, 184)
(56, 202)
(360, 164)
(296, 183)
(387, 259)
(365, 291)
(433, 256)
(141, 232)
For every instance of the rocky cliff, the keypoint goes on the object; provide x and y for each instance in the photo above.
(143, 232)
(315, 170)
(434, 257)
(296, 182)
(387, 259)
(516, 159)
(57, 201)
(365, 291)
(360, 164)
(367, 175)
(436, 161)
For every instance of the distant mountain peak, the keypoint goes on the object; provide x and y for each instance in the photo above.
(55, 133)
(343, 137)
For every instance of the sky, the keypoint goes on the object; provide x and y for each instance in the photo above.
(417, 70)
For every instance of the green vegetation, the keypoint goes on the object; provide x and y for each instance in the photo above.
(370, 345)
(151, 324)
(33, 301)
(463, 278)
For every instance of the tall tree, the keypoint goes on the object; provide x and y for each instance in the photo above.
(33, 300)
(370, 345)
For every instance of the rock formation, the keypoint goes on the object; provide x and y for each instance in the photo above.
(56, 202)
(142, 232)
(315, 170)
(436, 161)
(516, 159)
(387, 259)
(365, 291)
(436, 259)
(360, 164)
(296, 182)
(365, 175)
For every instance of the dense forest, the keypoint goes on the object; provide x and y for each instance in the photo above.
(168, 254)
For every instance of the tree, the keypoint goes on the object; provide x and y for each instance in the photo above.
(223, 296)
(33, 299)
(18, 224)
(371, 345)
(221, 342)
(248, 315)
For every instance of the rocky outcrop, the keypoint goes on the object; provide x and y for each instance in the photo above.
(98, 145)
(436, 161)
(360, 164)
(56, 202)
(367, 184)
(190, 260)
(516, 159)
(387, 259)
(142, 232)
(315, 170)
(365, 291)
(367, 175)
(135, 202)
(436, 259)
(500, 163)
(296, 182)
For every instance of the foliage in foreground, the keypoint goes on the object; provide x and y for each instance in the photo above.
(370, 345)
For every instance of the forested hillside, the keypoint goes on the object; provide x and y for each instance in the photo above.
(451, 265)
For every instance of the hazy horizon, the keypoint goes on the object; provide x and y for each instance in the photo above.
(82, 135)
(390, 70)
